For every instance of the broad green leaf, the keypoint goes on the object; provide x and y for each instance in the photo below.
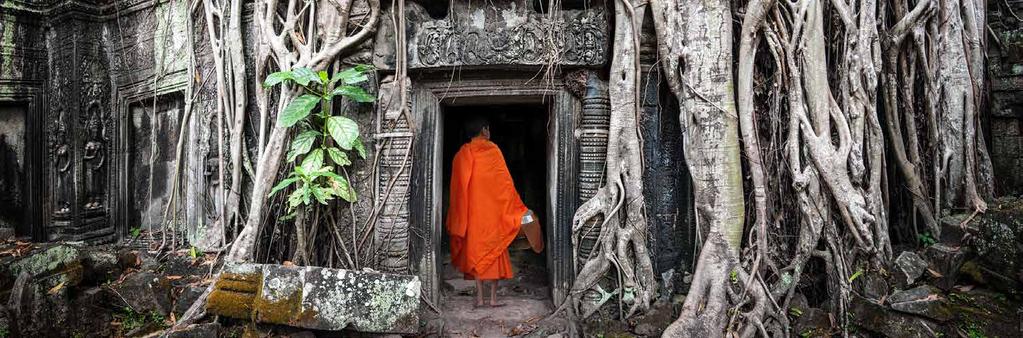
(326, 172)
(321, 195)
(305, 75)
(343, 130)
(287, 217)
(292, 155)
(339, 157)
(363, 67)
(359, 147)
(342, 189)
(323, 76)
(278, 77)
(313, 161)
(307, 194)
(295, 199)
(355, 93)
(349, 76)
(297, 110)
(284, 184)
(302, 143)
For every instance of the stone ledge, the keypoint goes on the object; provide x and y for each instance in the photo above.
(318, 298)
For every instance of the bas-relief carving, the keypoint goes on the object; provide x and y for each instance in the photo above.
(94, 158)
(79, 136)
(500, 33)
(60, 158)
(394, 171)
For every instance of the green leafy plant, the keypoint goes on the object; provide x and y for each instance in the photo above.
(195, 252)
(926, 239)
(857, 274)
(136, 231)
(132, 320)
(323, 140)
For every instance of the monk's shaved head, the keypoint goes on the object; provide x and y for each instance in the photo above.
(475, 126)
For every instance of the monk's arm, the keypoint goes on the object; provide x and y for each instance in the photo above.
(458, 208)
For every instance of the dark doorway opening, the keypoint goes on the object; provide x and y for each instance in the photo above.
(521, 132)
(154, 136)
(13, 181)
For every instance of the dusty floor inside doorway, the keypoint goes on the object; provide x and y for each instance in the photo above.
(527, 299)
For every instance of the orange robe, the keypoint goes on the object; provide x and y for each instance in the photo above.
(485, 211)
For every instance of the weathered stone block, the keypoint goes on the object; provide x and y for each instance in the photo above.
(206, 330)
(144, 292)
(924, 300)
(318, 298)
(812, 322)
(879, 319)
(872, 286)
(56, 265)
(946, 261)
(908, 267)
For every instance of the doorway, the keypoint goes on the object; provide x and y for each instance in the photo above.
(13, 180)
(432, 101)
(520, 130)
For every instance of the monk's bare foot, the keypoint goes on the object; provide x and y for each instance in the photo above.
(479, 295)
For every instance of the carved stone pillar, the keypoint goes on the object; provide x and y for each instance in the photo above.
(81, 136)
(394, 171)
(592, 137)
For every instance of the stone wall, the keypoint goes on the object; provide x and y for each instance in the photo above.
(1005, 62)
(90, 74)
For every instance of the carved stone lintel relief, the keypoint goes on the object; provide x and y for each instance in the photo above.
(505, 33)
(394, 168)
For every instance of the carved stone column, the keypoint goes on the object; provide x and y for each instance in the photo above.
(592, 137)
(394, 171)
(81, 136)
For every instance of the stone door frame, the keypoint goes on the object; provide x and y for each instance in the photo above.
(428, 98)
(31, 95)
(122, 185)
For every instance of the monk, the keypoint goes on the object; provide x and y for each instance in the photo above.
(485, 213)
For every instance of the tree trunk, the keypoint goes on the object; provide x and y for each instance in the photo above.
(622, 239)
(695, 47)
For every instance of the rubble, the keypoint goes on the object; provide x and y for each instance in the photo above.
(926, 301)
(144, 292)
(908, 267)
(877, 318)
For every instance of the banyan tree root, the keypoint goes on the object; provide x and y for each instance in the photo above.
(296, 33)
(695, 48)
(292, 46)
(621, 243)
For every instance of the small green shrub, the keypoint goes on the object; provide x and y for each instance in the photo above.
(322, 138)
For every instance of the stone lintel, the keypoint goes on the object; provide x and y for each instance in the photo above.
(318, 298)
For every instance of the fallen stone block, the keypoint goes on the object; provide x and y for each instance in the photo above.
(207, 330)
(144, 292)
(318, 298)
(945, 260)
(59, 265)
(908, 267)
(876, 318)
(812, 322)
(926, 301)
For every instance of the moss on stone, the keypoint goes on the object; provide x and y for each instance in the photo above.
(231, 303)
(284, 308)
